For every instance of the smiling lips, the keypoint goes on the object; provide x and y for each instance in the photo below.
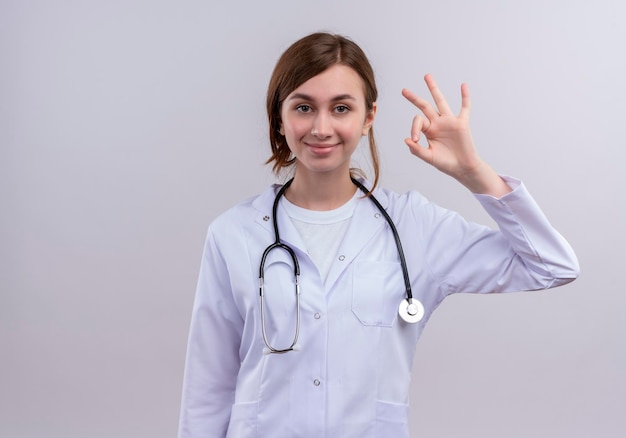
(321, 148)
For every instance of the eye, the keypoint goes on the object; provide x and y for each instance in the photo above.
(341, 109)
(303, 108)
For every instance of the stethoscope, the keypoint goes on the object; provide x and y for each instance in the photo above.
(410, 310)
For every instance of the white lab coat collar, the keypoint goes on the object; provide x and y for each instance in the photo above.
(288, 233)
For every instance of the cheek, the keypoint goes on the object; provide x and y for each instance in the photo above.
(353, 130)
(294, 128)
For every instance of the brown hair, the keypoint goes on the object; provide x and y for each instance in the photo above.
(303, 60)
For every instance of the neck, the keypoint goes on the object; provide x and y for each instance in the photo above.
(320, 193)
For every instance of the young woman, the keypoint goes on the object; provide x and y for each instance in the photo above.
(312, 296)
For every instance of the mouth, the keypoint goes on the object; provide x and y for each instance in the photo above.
(321, 148)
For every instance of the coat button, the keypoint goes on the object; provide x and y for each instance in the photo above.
(316, 382)
(266, 218)
(377, 215)
(342, 258)
(317, 315)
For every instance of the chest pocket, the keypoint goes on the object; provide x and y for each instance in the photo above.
(377, 289)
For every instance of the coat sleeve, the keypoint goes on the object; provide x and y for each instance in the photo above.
(526, 253)
(212, 361)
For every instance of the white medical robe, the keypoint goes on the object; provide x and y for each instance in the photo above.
(350, 378)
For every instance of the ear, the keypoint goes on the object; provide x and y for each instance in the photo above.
(369, 120)
(281, 130)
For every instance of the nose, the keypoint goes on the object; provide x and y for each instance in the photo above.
(322, 126)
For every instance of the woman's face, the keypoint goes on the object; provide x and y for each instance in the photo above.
(324, 119)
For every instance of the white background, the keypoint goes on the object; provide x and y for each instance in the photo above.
(127, 126)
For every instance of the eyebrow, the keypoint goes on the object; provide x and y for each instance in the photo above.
(310, 98)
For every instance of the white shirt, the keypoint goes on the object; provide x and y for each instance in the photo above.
(350, 378)
(322, 231)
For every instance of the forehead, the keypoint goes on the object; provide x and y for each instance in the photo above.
(335, 80)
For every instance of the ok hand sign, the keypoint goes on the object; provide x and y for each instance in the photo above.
(450, 145)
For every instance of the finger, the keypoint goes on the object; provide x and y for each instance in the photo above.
(428, 110)
(422, 152)
(435, 92)
(465, 101)
(420, 124)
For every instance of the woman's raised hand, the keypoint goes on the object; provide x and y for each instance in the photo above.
(450, 145)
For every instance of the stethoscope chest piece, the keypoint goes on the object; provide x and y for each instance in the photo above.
(411, 310)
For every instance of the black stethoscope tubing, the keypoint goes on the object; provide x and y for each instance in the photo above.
(394, 231)
(277, 243)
